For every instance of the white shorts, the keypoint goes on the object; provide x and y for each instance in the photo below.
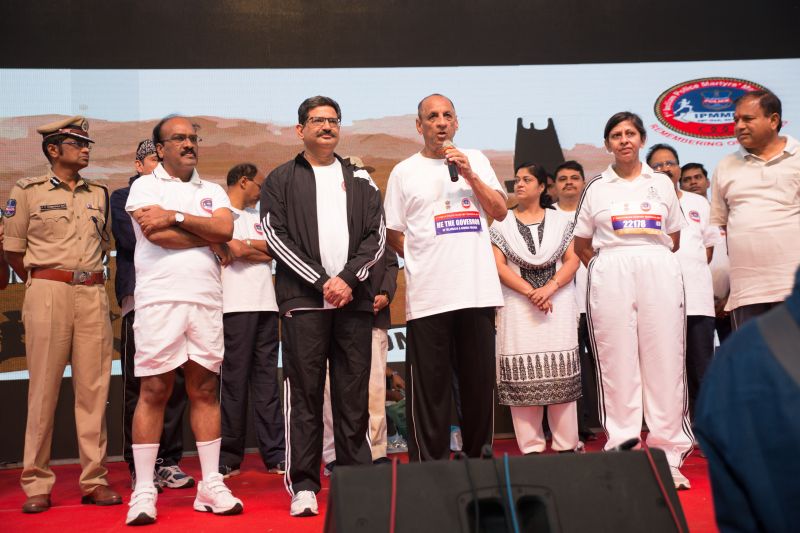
(169, 334)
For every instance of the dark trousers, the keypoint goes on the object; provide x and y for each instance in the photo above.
(170, 449)
(432, 342)
(742, 314)
(343, 338)
(250, 369)
(588, 379)
(699, 352)
(723, 327)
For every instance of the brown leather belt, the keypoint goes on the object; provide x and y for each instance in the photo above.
(73, 277)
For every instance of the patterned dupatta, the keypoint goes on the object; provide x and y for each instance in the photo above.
(514, 239)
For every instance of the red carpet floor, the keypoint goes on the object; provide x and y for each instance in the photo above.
(266, 502)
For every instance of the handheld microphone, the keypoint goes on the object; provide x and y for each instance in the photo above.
(451, 167)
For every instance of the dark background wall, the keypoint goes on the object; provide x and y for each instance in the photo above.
(97, 34)
(383, 33)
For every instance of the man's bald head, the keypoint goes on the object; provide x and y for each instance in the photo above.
(422, 102)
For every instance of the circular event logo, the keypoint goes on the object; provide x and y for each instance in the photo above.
(704, 107)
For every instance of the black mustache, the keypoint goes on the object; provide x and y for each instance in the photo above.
(188, 151)
(326, 132)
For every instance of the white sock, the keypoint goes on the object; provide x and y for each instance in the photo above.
(208, 452)
(144, 461)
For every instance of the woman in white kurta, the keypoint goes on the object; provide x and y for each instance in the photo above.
(537, 342)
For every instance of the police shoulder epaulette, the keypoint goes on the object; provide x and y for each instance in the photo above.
(27, 182)
(95, 183)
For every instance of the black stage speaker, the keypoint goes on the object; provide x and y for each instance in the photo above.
(614, 491)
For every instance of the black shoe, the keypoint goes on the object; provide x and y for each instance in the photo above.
(279, 468)
(229, 471)
(381, 461)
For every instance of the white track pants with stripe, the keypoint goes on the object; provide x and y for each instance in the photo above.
(636, 318)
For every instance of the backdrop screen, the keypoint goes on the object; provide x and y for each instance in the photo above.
(545, 113)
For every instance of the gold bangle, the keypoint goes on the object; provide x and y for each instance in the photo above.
(249, 244)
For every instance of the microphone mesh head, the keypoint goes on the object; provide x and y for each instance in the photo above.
(448, 144)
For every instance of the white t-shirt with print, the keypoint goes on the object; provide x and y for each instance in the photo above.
(163, 275)
(449, 262)
(581, 276)
(695, 238)
(247, 286)
(619, 212)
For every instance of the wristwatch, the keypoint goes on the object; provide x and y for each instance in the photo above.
(179, 218)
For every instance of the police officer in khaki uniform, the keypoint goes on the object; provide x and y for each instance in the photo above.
(3, 265)
(55, 237)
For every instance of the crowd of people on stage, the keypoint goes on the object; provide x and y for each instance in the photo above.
(613, 285)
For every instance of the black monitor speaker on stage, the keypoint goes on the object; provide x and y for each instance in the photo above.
(614, 491)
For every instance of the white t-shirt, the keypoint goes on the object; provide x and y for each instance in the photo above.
(581, 276)
(247, 286)
(618, 212)
(449, 263)
(334, 235)
(163, 275)
(695, 238)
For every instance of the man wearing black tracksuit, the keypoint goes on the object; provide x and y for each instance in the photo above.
(324, 225)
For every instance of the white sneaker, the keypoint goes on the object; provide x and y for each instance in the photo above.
(680, 481)
(304, 503)
(213, 496)
(142, 507)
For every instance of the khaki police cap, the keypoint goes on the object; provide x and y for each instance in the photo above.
(77, 127)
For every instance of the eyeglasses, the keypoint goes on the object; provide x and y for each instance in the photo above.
(253, 181)
(318, 122)
(665, 164)
(80, 145)
(180, 139)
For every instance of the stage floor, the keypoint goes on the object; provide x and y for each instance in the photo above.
(265, 498)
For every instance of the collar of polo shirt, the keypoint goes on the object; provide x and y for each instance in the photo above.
(791, 148)
(161, 173)
(647, 172)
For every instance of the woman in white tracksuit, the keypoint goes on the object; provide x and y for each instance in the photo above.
(627, 227)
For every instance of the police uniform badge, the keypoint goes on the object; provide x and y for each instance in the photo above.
(11, 208)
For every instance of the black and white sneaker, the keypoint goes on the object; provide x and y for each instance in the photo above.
(142, 507)
(304, 503)
(173, 477)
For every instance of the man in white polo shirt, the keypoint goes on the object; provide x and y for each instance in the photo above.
(325, 227)
(755, 198)
(437, 221)
(570, 182)
(698, 239)
(250, 323)
(177, 217)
